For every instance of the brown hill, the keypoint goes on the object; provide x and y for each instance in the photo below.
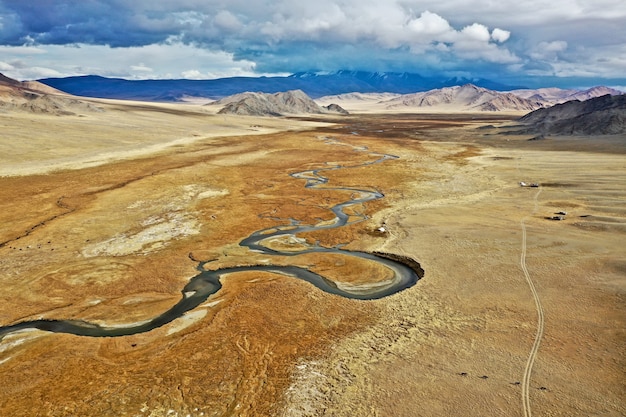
(605, 115)
(464, 98)
(35, 97)
(41, 88)
(277, 104)
(31, 86)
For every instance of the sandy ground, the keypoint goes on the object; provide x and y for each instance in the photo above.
(114, 243)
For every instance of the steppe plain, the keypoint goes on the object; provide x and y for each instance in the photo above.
(105, 216)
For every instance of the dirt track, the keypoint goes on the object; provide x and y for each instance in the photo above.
(455, 344)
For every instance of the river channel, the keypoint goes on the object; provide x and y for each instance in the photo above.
(206, 283)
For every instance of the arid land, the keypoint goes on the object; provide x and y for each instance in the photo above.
(106, 215)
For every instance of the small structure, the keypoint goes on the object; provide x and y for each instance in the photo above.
(558, 218)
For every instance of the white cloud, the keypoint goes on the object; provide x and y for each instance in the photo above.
(153, 61)
(500, 35)
(476, 32)
(430, 25)
(141, 68)
(474, 42)
(192, 75)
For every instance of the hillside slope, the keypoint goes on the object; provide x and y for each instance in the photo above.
(605, 115)
(35, 97)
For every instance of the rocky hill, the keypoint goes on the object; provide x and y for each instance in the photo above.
(277, 104)
(605, 115)
(464, 98)
(35, 97)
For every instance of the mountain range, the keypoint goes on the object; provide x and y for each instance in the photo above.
(314, 84)
(468, 97)
(551, 96)
(605, 114)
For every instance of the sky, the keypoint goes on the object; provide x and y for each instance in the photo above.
(534, 43)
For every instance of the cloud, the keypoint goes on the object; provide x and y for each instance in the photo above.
(141, 68)
(500, 35)
(430, 26)
(5, 66)
(544, 56)
(151, 61)
(192, 75)
(548, 50)
(476, 33)
(257, 36)
(227, 21)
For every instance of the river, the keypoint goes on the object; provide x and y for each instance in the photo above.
(406, 272)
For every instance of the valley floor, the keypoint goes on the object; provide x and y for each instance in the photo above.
(114, 243)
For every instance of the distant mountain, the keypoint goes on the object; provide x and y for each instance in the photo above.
(552, 96)
(355, 96)
(593, 92)
(314, 84)
(35, 97)
(468, 97)
(605, 115)
(277, 104)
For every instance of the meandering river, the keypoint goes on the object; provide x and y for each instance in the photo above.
(207, 282)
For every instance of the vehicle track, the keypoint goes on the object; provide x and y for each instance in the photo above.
(540, 318)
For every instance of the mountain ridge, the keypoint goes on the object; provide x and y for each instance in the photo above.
(314, 84)
(554, 95)
(468, 97)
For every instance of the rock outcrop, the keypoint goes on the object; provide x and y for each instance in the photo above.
(335, 108)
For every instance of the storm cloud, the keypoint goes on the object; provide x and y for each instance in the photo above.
(210, 38)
